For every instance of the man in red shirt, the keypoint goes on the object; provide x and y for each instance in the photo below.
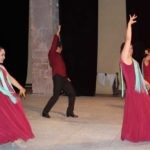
(60, 79)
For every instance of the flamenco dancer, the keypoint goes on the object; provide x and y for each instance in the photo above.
(14, 125)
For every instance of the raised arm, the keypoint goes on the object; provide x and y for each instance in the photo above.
(126, 55)
(55, 41)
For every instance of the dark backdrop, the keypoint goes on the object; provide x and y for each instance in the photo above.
(141, 30)
(79, 20)
(14, 36)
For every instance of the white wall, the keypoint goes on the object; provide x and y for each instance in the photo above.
(111, 30)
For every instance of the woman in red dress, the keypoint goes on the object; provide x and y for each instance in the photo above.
(13, 122)
(136, 117)
(146, 66)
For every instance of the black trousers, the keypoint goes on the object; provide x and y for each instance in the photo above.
(61, 83)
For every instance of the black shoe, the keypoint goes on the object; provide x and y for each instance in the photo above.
(46, 115)
(72, 115)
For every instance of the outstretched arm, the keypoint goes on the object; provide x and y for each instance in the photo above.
(125, 54)
(17, 85)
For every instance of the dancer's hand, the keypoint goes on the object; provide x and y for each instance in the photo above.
(132, 19)
(147, 85)
(58, 30)
(22, 92)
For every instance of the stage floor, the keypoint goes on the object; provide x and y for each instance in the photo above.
(97, 128)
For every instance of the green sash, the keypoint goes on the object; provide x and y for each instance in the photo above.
(4, 88)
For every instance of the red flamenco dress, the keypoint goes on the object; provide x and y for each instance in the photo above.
(136, 118)
(13, 122)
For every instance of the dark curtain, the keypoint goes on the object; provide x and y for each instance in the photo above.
(79, 20)
(14, 36)
(141, 30)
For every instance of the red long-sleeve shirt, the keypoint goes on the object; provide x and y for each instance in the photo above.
(55, 59)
